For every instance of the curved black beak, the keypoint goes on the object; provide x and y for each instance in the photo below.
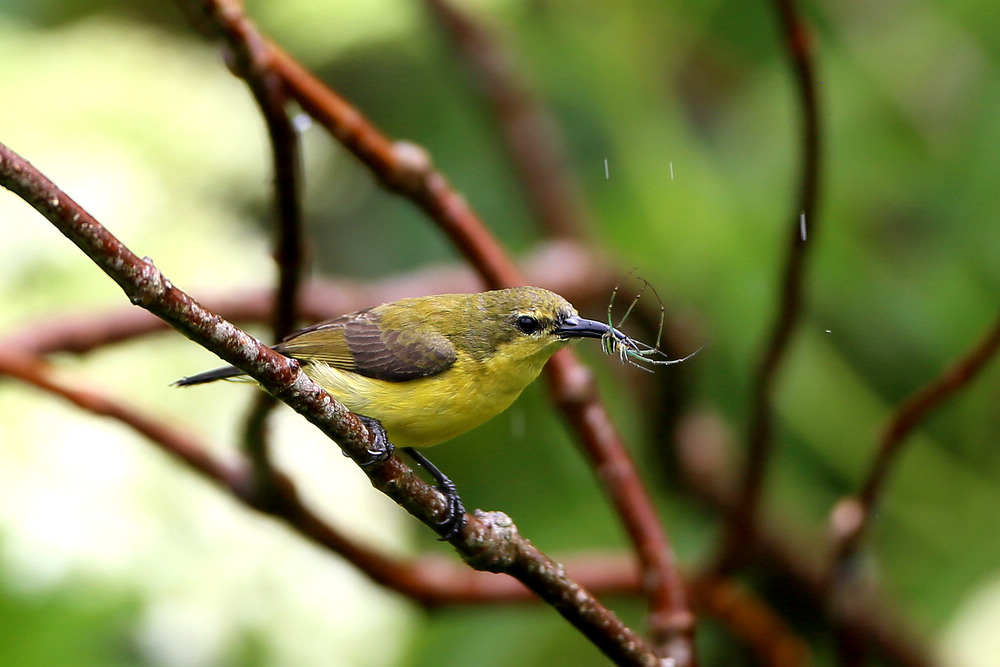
(579, 327)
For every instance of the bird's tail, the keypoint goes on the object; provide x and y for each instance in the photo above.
(209, 376)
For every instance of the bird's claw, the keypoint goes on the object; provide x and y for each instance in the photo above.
(454, 516)
(384, 448)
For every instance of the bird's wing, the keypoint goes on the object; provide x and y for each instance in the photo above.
(356, 343)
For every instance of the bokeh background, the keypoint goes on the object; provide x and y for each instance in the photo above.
(680, 127)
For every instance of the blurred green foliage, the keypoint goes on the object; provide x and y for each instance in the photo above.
(692, 106)
(80, 624)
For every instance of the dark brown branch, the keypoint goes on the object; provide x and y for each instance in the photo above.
(529, 134)
(248, 60)
(289, 245)
(177, 443)
(800, 234)
(488, 541)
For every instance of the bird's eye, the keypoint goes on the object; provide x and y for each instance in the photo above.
(527, 324)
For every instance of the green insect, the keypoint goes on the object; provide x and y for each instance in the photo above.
(629, 350)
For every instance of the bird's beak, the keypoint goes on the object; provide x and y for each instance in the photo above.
(578, 327)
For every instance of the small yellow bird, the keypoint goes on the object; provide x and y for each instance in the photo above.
(430, 368)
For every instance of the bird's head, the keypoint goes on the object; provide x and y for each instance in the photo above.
(523, 323)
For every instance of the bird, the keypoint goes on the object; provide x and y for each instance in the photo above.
(421, 371)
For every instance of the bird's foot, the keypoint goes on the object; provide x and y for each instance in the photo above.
(383, 448)
(454, 517)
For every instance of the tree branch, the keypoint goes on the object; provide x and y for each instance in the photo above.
(799, 562)
(248, 61)
(739, 534)
(407, 169)
(528, 131)
(430, 581)
(488, 541)
(851, 517)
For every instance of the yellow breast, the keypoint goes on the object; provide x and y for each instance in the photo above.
(431, 410)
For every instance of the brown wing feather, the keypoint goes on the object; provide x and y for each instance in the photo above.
(356, 343)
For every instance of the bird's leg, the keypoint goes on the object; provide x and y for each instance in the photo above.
(455, 516)
(384, 448)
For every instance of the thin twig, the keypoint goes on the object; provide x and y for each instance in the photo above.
(671, 622)
(739, 534)
(912, 411)
(174, 441)
(529, 134)
(851, 517)
(248, 61)
(799, 562)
